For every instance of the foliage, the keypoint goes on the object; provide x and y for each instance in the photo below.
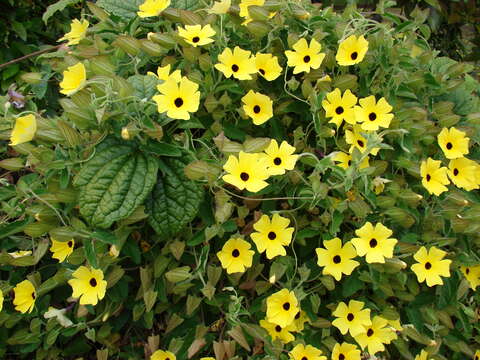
(143, 197)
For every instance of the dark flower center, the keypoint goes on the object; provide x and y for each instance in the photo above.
(304, 358)
(373, 243)
(235, 253)
(256, 109)
(297, 316)
(449, 146)
(428, 266)
(455, 172)
(234, 67)
(93, 282)
(339, 110)
(360, 143)
(372, 116)
(354, 55)
(271, 235)
(341, 357)
(467, 271)
(167, 358)
(277, 161)
(428, 177)
(178, 102)
(244, 176)
(337, 259)
(261, 71)
(306, 59)
(369, 332)
(349, 162)
(350, 317)
(33, 296)
(196, 39)
(278, 328)
(70, 243)
(286, 306)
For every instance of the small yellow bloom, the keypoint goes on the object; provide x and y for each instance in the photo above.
(248, 171)
(351, 318)
(337, 259)
(272, 235)
(302, 352)
(24, 130)
(376, 335)
(472, 274)
(374, 242)
(430, 266)
(88, 285)
(299, 321)
(238, 63)
(280, 158)
(258, 106)
(357, 140)
(282, 307)
(345, 160)
(464, 173)
(197, 35)
(477, 355)
(340, 107)
(352, 50)
(1, 300)
(61, 249)
(305, 57)
(163, 73)
(423, 356)
(207, 358)
(74, 79)
(24, 296)
(163, 355)
(268, 66)
(434, 177)
(236, 256)
(178, 100)
(276, 331)
(152, 8)
(372, 114)
(78, 30)
(220, 7)
(453, 143)
(20, 253)
(345, 351)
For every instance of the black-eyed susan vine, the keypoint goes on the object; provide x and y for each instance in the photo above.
(250, 179)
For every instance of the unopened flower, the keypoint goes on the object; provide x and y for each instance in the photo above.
(24, 296)
(24, 130)
(351, 318)
(277, 332)
(282, 307)
(374, 242)
(74, 79)
(305, 57)
(257, 106)
(152, 8)
(302, 352)
(340, 107)
(345, 351)
(376, 335)
(61, 249)
(453, 143)
(280, 158)
(178, 100)
(197, 35)
(88, 285)
(372, 114)
(238, 63)
(431, 266)
(248, 171)
(337, 259)
(434, 177)
(352, 50)
(236, 255)
(78, 30)
(272, 235)
(268, 66)
(1, 300)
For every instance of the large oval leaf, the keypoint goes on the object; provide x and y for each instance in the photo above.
(114, 182)
(175, 199)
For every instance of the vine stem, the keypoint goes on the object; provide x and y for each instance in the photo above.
(35, 53)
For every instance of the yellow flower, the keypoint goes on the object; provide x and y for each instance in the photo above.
(258, 106)
(78, 30)
(88, 285)
(302, 352)
(178, 99)
(305, 57)
(276, 331)
(61, 249)
(24, 296)
(197, 35)
(1, 300)
(472, 274)
(236, 255)
(152, 8)
(20, 253)
(207, 358)
(300, 319)
(345, 160)
(238, 63)
(282, 307)
(163, 73)
(272, 235)
(352, 50)
(356, 140)
(335, 259)
(245, 4)
(280, 158)
(376, 335)
(372, 114)
(248, 171)
(345, 351)
(340, 107)
(220, 7)
(74, 79)
(477, 355)
(24, 129)
(163, 355)
(422, 356)
(430, 266)
(464, 173)
(434, 177)
(268, 66)
(453, 143)
(351, 318)
(374, 242)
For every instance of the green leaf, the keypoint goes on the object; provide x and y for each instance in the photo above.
(126, 9)
(105, 236)
(114, 182)
(144, 86)
(89, 249)
(175, 199)
(58, 6)
(162, 149)
(13, 228)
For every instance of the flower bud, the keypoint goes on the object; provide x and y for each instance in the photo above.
(448, 120)
(273, 5)
(172, 14)
(101, 65)
(258, 28)
(345, 81)
(125, 134)
(128, 44)
(31, 77)
(301, 14)
(82, 117)
(97, 11)
(205, 62)
(458, 69)
(12, 164)
(164, 40)
(178, 274)
(190, 18)
(69, 133)
(156, 133)
(400, 217)
(385, 202)
(37, 229)
(191, 53)
(258, 13)
(151, 48)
